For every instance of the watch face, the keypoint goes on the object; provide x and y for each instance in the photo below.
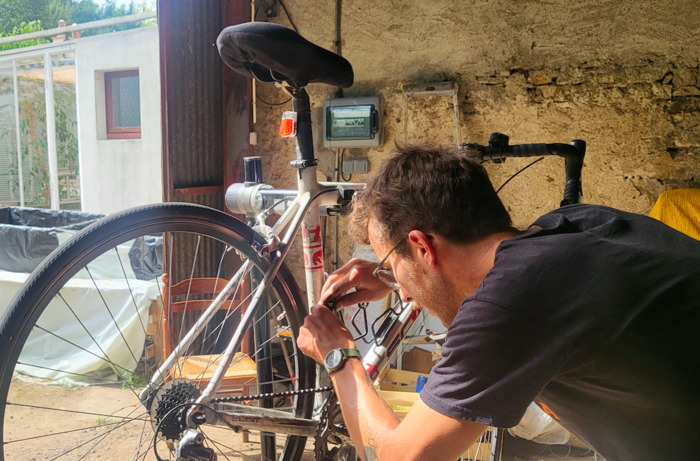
(334, 358)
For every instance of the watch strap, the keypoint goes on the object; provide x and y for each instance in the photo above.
(347, 353)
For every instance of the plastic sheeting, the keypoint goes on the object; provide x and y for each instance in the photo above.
(538, 426)
(28, 235)
(69, 354)
(116, 317)
(146, 257)
(119, 338)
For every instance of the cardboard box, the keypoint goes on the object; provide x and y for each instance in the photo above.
(418, 360)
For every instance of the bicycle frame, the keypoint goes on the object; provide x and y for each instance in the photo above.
(301, 209)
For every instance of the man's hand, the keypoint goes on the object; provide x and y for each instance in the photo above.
(322, 331)
(355, 274)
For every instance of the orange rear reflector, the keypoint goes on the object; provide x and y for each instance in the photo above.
(288, 126)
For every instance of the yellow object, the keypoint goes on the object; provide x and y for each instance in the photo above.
(397, 388)
(680, 209)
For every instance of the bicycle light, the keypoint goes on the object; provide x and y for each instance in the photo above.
(288, 125)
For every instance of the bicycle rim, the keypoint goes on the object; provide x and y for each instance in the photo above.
(85, 334)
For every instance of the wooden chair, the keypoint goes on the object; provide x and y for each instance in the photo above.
(242, 373)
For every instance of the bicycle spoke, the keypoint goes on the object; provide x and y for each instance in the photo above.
(53, 434)
(218, 445)
(85, 443)
(80, 322)
(105, 359)
(142, 440)
(81, 348)
(90, 377)
(121, 333)
(122, 420)
(133, 299)
(187, 297)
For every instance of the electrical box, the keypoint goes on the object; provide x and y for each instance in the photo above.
(355, 165)
(352, 122)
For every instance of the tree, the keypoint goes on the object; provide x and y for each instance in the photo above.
(13, 13)
(24, 28)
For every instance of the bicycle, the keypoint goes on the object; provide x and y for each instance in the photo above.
(152, 400)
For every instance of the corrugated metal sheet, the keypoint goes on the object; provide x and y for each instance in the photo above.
(193, 112)
(191, 74)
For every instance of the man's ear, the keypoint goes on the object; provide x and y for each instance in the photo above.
(422, 247)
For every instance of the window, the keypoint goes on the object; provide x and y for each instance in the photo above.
(123, 104)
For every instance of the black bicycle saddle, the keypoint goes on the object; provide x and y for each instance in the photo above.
(273, 53)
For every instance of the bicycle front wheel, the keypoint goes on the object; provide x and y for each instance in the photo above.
(93, 323)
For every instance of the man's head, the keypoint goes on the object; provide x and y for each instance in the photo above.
(431, 189)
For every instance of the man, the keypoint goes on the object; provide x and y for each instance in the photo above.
(592, 312)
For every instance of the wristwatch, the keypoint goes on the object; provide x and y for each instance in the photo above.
(335, 359)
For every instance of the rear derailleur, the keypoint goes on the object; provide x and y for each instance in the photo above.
(191, 448)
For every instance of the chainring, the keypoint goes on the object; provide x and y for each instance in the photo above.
(332, 441)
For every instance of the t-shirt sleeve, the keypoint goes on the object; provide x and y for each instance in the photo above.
(495, 362)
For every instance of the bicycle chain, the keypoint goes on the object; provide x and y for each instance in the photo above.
(271, 395)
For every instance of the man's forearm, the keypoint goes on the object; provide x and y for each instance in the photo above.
(369, 419)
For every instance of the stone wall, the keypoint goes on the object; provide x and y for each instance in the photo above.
(621, 75)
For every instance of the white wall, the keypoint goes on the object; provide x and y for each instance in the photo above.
(118, 173)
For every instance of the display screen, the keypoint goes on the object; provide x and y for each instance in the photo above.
(350, 122)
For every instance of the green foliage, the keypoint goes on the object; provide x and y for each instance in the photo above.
(35, 148)
(23, 28)
(15, 12)
(133, 381)
(47, 13)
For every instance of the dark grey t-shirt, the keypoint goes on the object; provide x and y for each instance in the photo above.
(596, 315)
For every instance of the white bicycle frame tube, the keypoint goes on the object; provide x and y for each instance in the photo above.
(292, 220)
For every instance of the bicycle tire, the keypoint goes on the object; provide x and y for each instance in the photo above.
(52, 285)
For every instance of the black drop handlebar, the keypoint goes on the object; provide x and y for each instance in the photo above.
(498, 150)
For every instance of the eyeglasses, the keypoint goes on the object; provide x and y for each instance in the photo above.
(386, 275)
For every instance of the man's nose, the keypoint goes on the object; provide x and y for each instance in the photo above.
(405, 297)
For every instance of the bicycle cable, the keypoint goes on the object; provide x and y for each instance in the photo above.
(274, 103)
(517, 173)
(342, 173)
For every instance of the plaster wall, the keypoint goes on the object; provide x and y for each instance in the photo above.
(118, 173)
(621, 75)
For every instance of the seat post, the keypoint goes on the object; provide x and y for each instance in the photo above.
(304, 138)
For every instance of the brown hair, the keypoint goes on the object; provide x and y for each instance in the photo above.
(429, 188)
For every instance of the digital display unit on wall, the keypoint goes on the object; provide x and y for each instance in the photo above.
(352, 122)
